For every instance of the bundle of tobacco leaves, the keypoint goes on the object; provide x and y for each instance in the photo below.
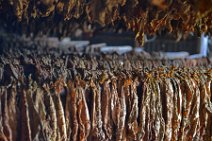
(62, 97)
(179, 17)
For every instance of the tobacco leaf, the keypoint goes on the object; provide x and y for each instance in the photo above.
(61, 130)
(132, 113)
(35, 118)
(51, 117)
(169, 107)
(144, 112)
(83, 115)
(5, 117)
(121, 112)
(114, 102)
(25, 133)
(187, 101)
(177, 113)
(159, 120)
(194, 113)
(96, 117)
(73, 111)
(12, 110)
(203, 113)
(67, 108)
(2, 135)
(106, 110)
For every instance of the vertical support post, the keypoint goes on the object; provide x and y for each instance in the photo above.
(203, 45)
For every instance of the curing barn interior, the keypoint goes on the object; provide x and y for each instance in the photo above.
(105, 70)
